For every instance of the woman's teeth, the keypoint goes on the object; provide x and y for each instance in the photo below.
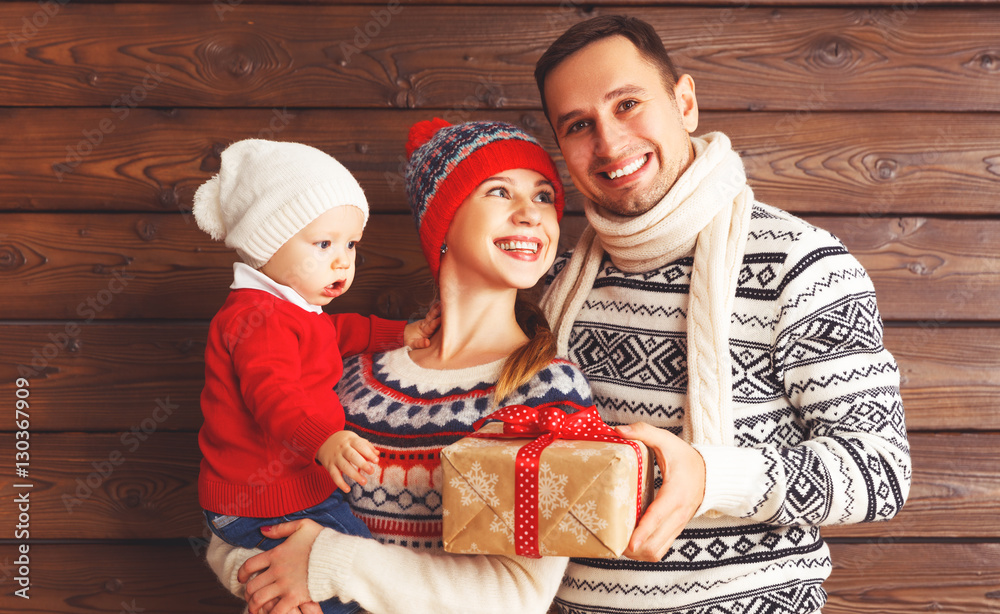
(518, 246)
(628, 170)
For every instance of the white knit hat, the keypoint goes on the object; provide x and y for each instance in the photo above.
(267, 191)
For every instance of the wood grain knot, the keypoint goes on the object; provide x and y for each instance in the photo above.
(11, 257)
(886, 169)
(212, 161)
(146, 230)
(834, 52)
(113, 585)
(237, 58)
(405, 99)
(132, 499)
(986, 61)
(388, 305)
(361, 148)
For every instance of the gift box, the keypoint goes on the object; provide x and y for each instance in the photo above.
(544, 483)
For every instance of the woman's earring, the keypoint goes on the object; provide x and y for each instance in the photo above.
(444, 249)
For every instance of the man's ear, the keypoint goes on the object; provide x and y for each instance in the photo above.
(687, 102)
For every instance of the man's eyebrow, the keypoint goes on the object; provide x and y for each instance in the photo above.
(625, 90)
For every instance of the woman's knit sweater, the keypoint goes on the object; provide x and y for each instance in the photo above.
(409, 413)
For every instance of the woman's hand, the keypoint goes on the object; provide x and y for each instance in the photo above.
(282, 570)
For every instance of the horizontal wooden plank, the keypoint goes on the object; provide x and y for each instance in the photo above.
(139, 484)
(162, 266)
(105, 377)
(894, 578)
(171, 579)
(950, 377)
(109, 376)
(142, 484)
(905, 57)
(867, 164)
(151, 266)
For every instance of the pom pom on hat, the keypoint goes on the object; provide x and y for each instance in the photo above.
(208, 209)
(447, 162)
(421, 132)
(267, 191)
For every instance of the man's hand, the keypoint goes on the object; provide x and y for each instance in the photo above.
(281, 584)
(680, 496)
(346, 453)
(418, 335)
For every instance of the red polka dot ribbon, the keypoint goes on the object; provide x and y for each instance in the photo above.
(547, 423)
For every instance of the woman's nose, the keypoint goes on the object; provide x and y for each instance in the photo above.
(527, 213)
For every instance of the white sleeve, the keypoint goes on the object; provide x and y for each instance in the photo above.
(388, 579)
(226, 560)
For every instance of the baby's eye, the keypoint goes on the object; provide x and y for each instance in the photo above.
(323, 244)
(352, 244)
(498, 191)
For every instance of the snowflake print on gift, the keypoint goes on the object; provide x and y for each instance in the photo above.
(476, 484)
(582, 521)
(551, 491)
(586, 453)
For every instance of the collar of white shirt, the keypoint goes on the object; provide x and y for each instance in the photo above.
(246, 277)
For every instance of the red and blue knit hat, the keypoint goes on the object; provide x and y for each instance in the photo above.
(448, 162)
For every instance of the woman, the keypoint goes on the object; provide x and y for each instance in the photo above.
(487, 200)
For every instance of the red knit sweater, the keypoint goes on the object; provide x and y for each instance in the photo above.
(268, 401)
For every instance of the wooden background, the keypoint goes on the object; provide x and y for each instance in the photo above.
(879, 122)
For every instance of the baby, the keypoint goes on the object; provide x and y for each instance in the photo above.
(273, 442)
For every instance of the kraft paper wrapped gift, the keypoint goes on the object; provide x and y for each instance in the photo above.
(587, 497)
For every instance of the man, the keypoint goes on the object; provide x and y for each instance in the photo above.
(743, 345)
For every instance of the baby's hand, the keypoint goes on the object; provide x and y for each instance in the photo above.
(347, 454)
(418, 335)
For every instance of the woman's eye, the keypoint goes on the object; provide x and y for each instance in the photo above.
(498, 191)
(545, 197)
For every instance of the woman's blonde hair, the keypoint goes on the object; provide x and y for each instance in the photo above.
(526, 361)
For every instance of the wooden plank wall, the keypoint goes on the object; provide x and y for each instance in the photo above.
(880, 122)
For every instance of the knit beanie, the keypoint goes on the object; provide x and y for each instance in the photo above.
(267, 191)
(447, 162)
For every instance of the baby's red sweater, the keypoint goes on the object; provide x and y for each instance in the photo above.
(268, 401)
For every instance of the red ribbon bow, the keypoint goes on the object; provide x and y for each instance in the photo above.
(547, 423)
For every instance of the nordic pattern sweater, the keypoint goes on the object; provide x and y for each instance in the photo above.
(819, 430)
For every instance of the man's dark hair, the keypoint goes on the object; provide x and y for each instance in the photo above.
(640, 33)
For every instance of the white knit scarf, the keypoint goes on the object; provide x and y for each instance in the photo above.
(707, 211)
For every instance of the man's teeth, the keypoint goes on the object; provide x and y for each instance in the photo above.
(510, 246)
(628, 170)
